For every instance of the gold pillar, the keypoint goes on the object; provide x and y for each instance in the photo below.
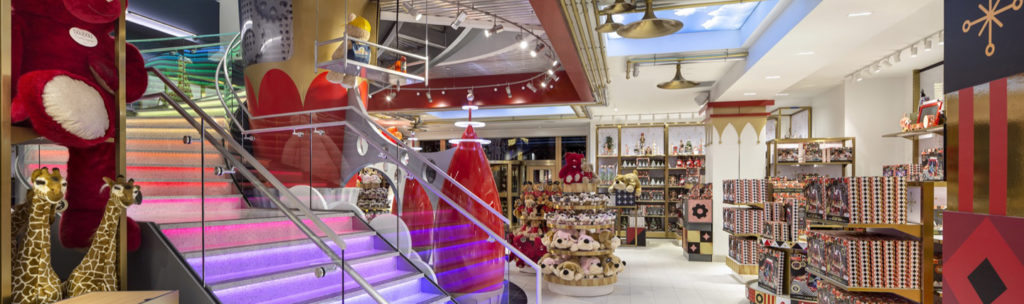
(5, 151)
(120, 151)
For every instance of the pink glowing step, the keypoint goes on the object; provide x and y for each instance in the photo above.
(251, 226)
(165, 122)
(163, 210)
(165, 133)
(158, 173)
(171, 159)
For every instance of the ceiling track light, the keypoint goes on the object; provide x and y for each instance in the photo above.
(522, 41)
(942, 37)
(459, 19)
(529, 85)
(650, 26)
(430, 99)
(927, 45)
(508, 91)
(636, 70)
(913, 51)
(469, 95)
(411, 10)
(495, 29)
(536, 50)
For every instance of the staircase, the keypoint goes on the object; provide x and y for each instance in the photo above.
(246, 254)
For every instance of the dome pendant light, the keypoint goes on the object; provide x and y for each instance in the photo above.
(650, 26)
(620, 6)
(608, 26)
(678, 82)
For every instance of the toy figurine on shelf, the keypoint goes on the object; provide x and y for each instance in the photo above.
(609, 145)
(688, 148)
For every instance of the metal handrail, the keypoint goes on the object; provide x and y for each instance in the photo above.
(222, 64)
(241, 152)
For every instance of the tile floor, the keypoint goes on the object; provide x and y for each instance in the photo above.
(658, 274)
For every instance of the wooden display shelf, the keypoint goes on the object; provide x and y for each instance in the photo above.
(916, 134)
(814, 163)
(632, 156)
(650, 201)
(584, 282)
(744, 269)
(922, 183)
(583, 227)
(607, 156)
(743, 235)
(909, 294)
(579, 207)
(687, 155)
(755, 205)
(580, 253)
(650, 168)
(910, 229)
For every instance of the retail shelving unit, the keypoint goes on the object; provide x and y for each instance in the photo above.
(620, 150)
(802, 159)
(735, 204)
(508, 176)
(930, 231)
(695, 224)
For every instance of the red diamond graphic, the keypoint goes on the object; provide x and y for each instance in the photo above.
(693, 247)
(985, 242)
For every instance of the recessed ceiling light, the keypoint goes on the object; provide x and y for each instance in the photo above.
(782, 94)
(859, 14)
(805, 53)
(749, 94)
(772, 77)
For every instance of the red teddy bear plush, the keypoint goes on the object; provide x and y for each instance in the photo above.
(572, 172)
(65, 81)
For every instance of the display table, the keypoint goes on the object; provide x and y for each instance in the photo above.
(126, 297)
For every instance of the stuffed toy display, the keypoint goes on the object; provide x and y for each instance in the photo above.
(65, 83)
(34, 280)
(627, 182)
(572, 172)
(592, 268)
(569, 271)
(98, 269)
(358, 28)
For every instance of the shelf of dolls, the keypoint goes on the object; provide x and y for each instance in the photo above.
(561, 252)
(916, 134)
(582, 227)
(579, 207)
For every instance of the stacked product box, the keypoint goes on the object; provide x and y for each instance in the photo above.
(744, 191)
(771, 270)
(874, 200)
(829, 294)
(802, 286)
(860, 259)
(744, 250)
(745, 221)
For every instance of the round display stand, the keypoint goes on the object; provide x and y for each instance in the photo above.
(582, 288)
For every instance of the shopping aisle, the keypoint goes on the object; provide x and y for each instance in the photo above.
(658, 274)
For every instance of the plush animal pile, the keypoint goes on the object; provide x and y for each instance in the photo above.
(581, 218)
(573, 269)
(570, 200)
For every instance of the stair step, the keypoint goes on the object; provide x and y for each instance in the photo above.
(417, 291)
(157, 173)
(240, 263)
(166, 133)
(166, 122)
(173, 159)
(212, 111)
(171, 209)
(249, 227)
(387, 272)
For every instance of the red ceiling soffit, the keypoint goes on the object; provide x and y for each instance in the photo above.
(549, 12)
(562, 92)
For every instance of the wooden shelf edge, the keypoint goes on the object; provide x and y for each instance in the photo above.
(910, 294)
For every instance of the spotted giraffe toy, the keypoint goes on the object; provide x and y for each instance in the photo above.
(33, 275)
(98, 269)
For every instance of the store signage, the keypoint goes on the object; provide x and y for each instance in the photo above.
(983, 41)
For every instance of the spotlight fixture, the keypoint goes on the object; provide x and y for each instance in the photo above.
(554, 63)
(430, 99)
(896, 58)
(913, 51)
(650, 26)
(620, 6)
(495, 30)
(529, 85)
(927, 45)
(886, 62)
(544, 83)
(389, 96)
(508, 91)
(522, 43)
(609, 25)
(942, 38)
(412, 11)
(551, 72)
(677, 82)
(461, 17)
(878, 68)
(536, 50)
(636, 70)
(469, 95)
(442, 92)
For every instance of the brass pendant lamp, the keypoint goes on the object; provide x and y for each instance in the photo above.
(620, 6)
(608, 26)
(650, 26)
(678, 82)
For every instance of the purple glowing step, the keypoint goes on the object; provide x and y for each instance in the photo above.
(237, 263)
(251, 226)
(303, 285)
(418, 291)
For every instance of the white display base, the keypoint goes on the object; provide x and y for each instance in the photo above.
(581, 291)
(490, 297)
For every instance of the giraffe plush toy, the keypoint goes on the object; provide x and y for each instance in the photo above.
(33, 275)
(98, 269)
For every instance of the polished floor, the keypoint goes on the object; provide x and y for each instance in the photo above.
(658, 274)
